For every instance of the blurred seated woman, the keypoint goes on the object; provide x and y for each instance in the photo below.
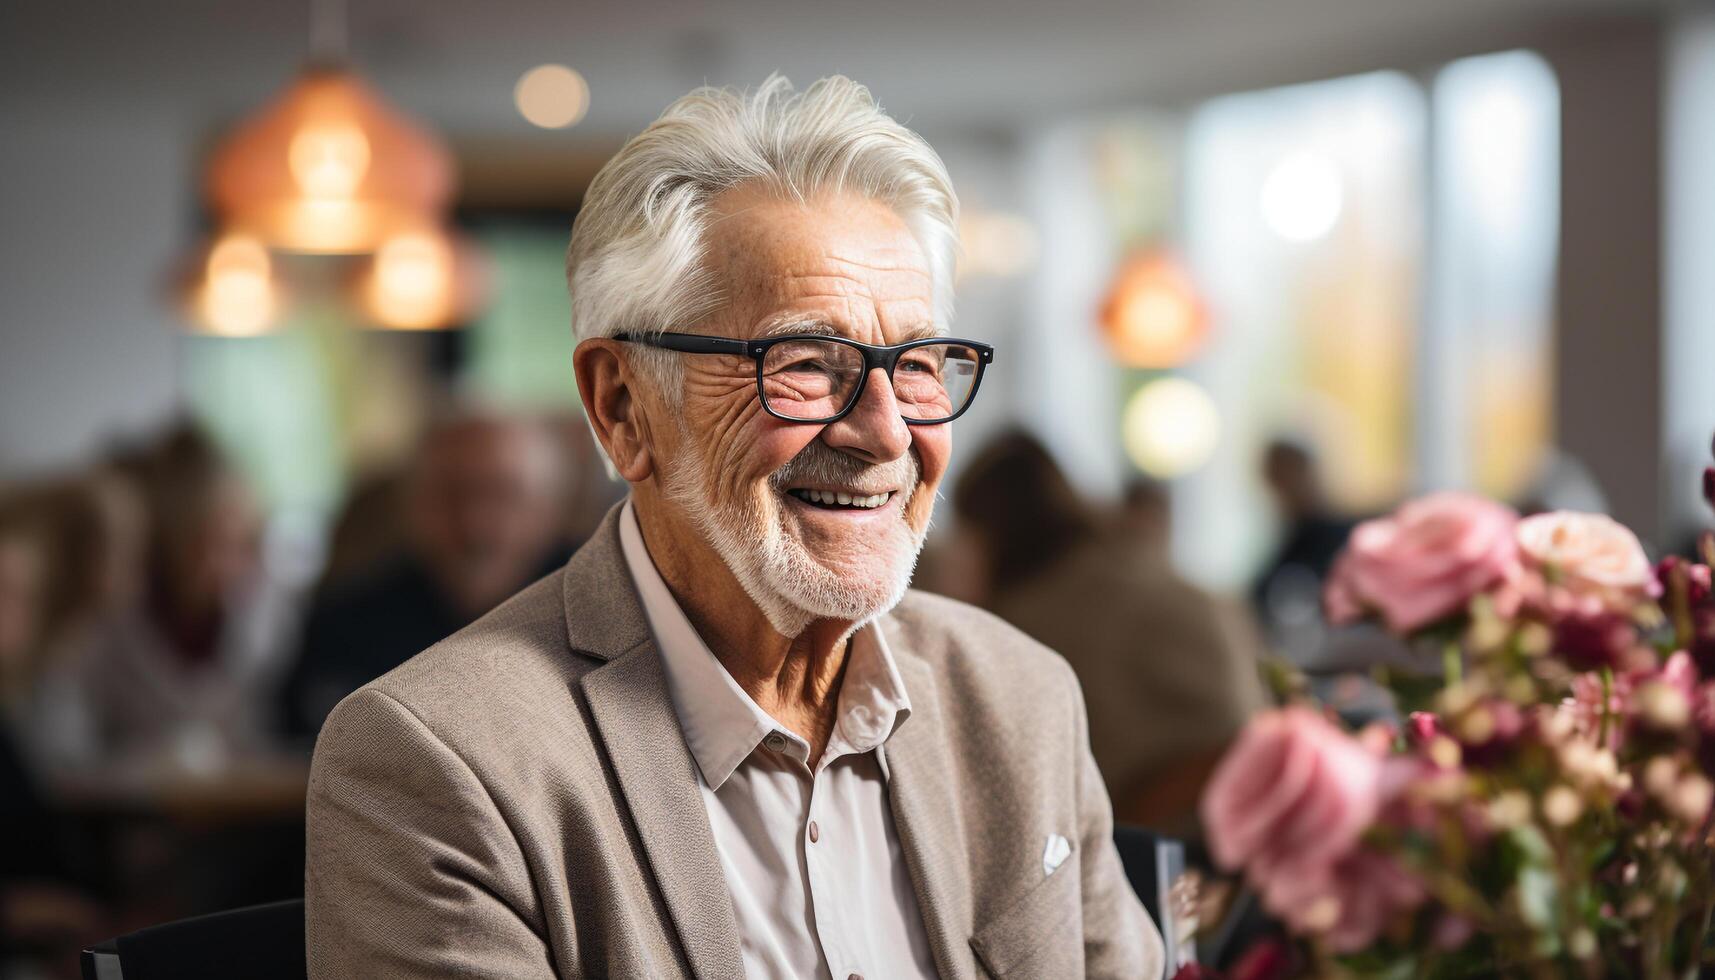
(93, 526)
(1169, 671)
(170, 667)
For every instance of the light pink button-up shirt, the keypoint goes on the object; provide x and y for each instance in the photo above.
(812, 861)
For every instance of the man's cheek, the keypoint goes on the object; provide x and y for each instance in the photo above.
(933, 449)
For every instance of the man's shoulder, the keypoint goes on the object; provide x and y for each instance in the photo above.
(501, 669)
(972, 650)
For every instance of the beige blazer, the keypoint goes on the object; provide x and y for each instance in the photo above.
(518, 802)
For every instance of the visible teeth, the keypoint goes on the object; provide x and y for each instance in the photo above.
(832, 498)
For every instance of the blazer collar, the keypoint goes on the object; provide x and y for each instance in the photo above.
(926, 810)
(633, 712)
(603, 615)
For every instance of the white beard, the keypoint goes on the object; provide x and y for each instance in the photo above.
(759, 541)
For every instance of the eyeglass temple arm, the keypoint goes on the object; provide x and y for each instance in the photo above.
(690, 343)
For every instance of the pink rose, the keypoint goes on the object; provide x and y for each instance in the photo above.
(1350, 904)
(1289, 804)
(1594, 559)
(1424, 562)
(1293, 793)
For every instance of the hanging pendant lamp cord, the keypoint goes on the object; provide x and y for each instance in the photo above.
(328, 31)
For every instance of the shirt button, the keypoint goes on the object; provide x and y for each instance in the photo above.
(775, 742)
(855, 976)
(816, 835)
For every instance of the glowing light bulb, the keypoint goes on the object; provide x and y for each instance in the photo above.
(1171, 427)
(328, 162)
(237, 296)
(412, 282)
(552, 96)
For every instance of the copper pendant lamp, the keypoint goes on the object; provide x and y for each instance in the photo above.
(329, 166)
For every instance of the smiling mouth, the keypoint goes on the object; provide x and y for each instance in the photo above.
(839, 500)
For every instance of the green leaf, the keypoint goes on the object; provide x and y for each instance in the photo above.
(1536, 894)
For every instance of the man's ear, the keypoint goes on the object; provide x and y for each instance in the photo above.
(605, 383)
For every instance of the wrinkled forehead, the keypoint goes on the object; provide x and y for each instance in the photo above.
(838, 263)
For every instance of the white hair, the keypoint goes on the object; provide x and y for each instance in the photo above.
(635, 262)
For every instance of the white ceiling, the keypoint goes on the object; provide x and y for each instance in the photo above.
(953, 64)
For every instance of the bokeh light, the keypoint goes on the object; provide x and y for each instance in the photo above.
(552, 96)
(1171, 427)
(995, 244)
(411, 285)
(1301, 197)
(237, 296)
(1153, 317)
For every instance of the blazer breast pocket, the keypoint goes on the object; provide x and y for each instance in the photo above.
(1040, 934)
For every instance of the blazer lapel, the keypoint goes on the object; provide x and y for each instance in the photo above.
(633, 711)
(927, 817)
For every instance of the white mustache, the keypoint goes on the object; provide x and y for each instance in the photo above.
(819, 464)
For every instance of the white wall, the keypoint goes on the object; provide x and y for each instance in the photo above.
(93, 206)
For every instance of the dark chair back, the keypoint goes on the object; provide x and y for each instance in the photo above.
(266, 942)
(1155, 866)
(262, 942)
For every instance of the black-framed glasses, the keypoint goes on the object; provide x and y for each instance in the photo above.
(816, 378)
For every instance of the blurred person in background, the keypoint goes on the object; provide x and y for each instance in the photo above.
(588, 491)
(45, 904)
(370, 528)
(481, 520)
(97, 527)
(1169, 671)
(174, 670)
(1287, 593)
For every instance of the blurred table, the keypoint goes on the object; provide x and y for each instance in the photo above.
(241, 790)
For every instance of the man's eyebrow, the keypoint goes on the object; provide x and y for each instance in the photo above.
(814, 325)
(792, 324)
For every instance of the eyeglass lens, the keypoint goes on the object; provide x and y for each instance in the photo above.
(817, 379)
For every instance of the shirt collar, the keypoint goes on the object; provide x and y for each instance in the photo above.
(721, 723)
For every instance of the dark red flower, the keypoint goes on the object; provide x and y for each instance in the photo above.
(1672, 570)
(1702, 645)
(1270, 959)
(1703, 721)
(1591, 642)
(1196, 971)
(1630, 805)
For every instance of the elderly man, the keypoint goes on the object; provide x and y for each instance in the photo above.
(725, 740)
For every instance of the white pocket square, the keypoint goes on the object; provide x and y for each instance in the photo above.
(1055, 853)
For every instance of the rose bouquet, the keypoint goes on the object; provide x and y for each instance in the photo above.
(1546, 807)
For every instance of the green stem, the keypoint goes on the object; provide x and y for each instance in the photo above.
(1452, 663)
(1607, 704)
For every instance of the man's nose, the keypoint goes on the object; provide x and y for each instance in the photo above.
(873, 429)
